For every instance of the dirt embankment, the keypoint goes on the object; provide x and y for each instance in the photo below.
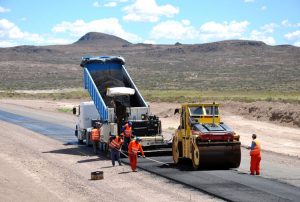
(284, 114)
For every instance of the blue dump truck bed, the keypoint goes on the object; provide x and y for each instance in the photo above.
(105, 72)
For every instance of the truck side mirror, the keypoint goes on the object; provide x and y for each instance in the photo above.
(76, 111)
(176, 111)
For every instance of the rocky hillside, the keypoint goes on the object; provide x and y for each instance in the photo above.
(234, 65)
(100, 39)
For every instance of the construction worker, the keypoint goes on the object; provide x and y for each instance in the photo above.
(96, 136)
(127, 131)
(115, 148)
(133, 149)
(255, 156)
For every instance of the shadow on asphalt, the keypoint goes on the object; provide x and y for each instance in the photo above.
(70, 143)
(108, 166)
(125, 172)
(80, 150)
(186, 165)
(89, 160)
(70, 151)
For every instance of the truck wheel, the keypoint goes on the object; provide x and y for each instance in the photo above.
(195, 157)
(88, 140)
(175, 151)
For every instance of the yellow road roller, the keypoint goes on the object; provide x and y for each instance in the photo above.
(204, 139)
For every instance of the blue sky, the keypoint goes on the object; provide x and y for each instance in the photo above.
(50, 22)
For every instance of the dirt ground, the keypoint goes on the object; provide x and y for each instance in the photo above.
(36, 168)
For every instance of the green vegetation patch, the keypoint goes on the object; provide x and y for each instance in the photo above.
(182, 96)
(65, 110)
(179, 96)
(79, 94)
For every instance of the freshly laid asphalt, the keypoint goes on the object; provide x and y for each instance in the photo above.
(230, 185)
(58, 132)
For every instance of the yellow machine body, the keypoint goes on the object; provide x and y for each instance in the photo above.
(203, 138)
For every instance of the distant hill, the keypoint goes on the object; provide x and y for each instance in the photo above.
(233, 65)
(100, 39)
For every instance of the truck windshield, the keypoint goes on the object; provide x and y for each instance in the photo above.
(210, 110)
(196, 111)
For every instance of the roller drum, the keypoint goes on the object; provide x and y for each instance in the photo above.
(221, 155)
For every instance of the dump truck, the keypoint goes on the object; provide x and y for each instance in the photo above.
(115, 101)
(204, 139)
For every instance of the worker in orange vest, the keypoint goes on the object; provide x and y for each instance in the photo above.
(115, 148)
(127, 131)
(133, 149)
(96, 134)
(255, 156)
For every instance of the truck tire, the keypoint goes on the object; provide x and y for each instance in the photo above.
(88, 139)
(195, 157)
(176, 150)
(76, 134)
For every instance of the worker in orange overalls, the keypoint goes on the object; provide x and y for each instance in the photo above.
(115, 148)
(133, 149)
(255, 156)
(96, 134)
(127, 131)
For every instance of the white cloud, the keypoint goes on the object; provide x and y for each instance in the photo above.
(185, 22)
(23, 19)
(209, 31)
(149, 42)
(96, 4)
(220, 31)
(10, 30)
(111, 4)
(293, 35)
(297, 43)
(262, 36)
(269, 28)
(248, 1)
(148, 11)
(263, 8)
(109, 26)
(7, 44)
(12, 35)
(173, 30)
(4, 10)
(286, 23)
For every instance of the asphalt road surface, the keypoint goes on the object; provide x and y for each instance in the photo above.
(277, 183)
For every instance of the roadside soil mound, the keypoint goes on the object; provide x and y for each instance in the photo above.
(284, 114)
